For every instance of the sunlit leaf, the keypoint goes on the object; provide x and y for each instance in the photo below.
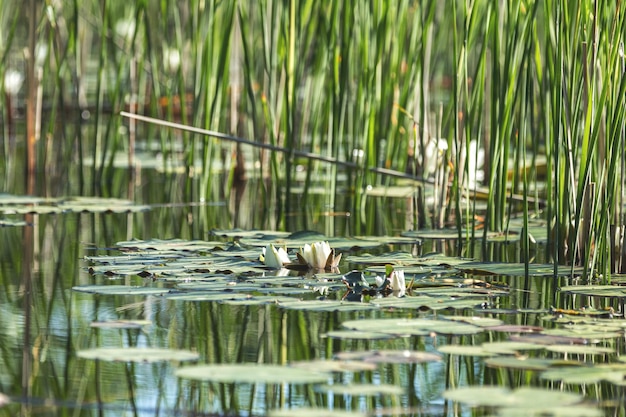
(596, 290)
(252, 373)
(322, 365)
(325, 305)
(524, 398)
(516, 269)
(420, 326)
(389, 356)
(313, 412)
(360, 389)
(130, 354)
(120, 290)
(592, 374)
(476, 320)
(12, 223)
(464, 350)
(526, 364)
(354, 334)
(120, 324)
(510, 347)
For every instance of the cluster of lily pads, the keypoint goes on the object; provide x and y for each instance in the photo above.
(301, 271)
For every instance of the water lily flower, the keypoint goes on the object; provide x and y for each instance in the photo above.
(274, 258)
(398, 283)
(319, 255)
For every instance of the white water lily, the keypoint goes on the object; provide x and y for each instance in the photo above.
(398, 283)
(274, 258)
(319, 255)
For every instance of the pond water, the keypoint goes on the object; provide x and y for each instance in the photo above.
(164, 283)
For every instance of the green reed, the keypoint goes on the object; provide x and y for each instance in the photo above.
(376, 83)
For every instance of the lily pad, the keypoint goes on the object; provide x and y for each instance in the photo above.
(322, 365)
(361, 389)
(613, 373)
(120, 324)
(252, 373)
(130, 354)
(465, 350)
(12, 222)
(419, 327)
(581, 349)
(510, 347)
(389, 356)
(596, 290)
(529, 399)
(313, 412)
(526, 364)
(360, 335)
(120, 290)
(516, 269)
(325, 305)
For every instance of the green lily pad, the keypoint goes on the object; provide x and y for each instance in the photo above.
(510, 347)
(12, 223)
(120, 290)
(252, 373)
(322, 365)
(516, 269)
(477, 320)
(613, 373)
(526, 364)
(465, 350)
(596, 290)
(313, 412)
(120, 324)
(577, 410)
(530, 399)
(361, 335)
(130, 354)
(389, 356)
(427, 302)
(361, 389)
(419, 327)
(206, 296)
(580, 349)
(325, 305)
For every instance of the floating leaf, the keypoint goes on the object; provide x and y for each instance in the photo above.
(12, 223)
(252, 373)
(530, 399)
(412, 326)
(130, 354)
(389, 356)
(120, 324)
(596, 290)
(510, 347)
(427, 302)
(464, 350)
(577, 410)
(360, 389)
(580, 349)
(488, 322)
(325, 305)
(207, 296)
(613, 373)
(120, 290)
(313, 412)
(335, 365)
(361, 335)
(526, 364)
(516, 269)
(515, 328)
